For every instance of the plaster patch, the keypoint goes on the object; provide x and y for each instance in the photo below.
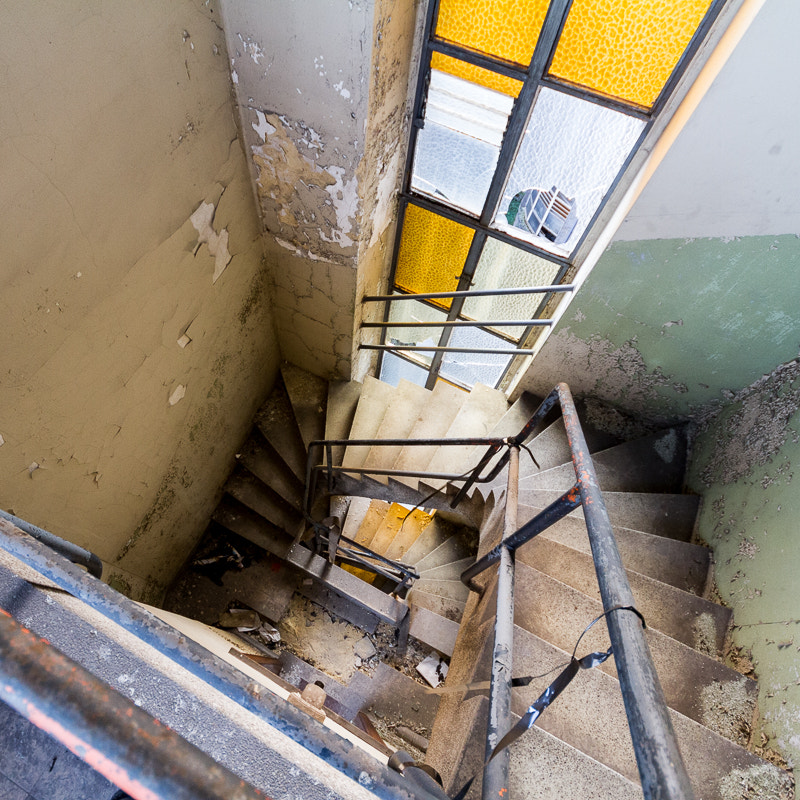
(217, 242)
(261, 126)
(177, 395)
(759, 781)
(667, 446)
(345, 202)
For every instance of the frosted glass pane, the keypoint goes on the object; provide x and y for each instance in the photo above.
(472, 368)
(414, 311)
(432, 253)
(394, 369)
(626, 50)
(504, 266)
(504, 28)
(457, 150)
(575, 146)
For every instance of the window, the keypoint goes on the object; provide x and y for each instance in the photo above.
(526, 117)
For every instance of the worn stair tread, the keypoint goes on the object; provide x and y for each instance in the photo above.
(709, 755)
(655, 463)
(666, 608)
(356, 511)
(678, 563)
(454, 548)
(433, 422)
(449, 572)
(455, 590)
(671, 515)
(255, 494)
(411, 528)
(558, 614)
(245, 522)
(276, 420)
(370, 522)
(309, 396)
(443, 606)
(542, 767)
(391, 523)
(260, 458)
(434, 535)
(375, 396)
(433, 629)
(407, 403)
(479, 414)
(342, 401)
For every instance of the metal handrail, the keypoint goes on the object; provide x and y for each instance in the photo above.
(661, 768)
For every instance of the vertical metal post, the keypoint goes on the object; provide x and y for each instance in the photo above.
(495, 776)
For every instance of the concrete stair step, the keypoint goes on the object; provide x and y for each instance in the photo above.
(455, 548)
(375, 397)
(433, 629)
(443, 606)
(261, 458)
(692, 681)
(342, 401)
(452, 589)
(410, 530)
(593, 696)
(407, 403)
(680, 564)
(356, 510)
(433, 422)
(670, 515)
(542, 767)
(309, 396)
(391, 523)
(481, 411)
(276, 420)
(448, 572)
(656, 463)
(255, 494)
(667, 609)
(248, 524)
(370, 522)
(434, 535)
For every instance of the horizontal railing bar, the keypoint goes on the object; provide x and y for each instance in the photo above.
(472, 440)
(396, 473)
(559, 287)
(421, 348)
(461, 323)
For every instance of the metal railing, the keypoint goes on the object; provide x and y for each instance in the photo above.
(661, 768)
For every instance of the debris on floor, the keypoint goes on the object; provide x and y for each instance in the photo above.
(433, 669)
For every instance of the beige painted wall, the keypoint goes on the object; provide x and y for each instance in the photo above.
(117, 125)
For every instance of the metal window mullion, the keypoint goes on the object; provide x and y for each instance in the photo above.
(518, 121)
(464, 283)
(505, 68)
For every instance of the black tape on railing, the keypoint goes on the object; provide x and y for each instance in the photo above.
(563, 680)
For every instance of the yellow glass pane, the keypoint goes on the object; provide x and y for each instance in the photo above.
(626, 49)
(469, 72)
(432, 253)
(506, 29)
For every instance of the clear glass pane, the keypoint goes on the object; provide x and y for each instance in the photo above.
(569, 157)
(626, 50)
(507, 29)
(483, 77)
(432, 253)
(457, 150)
(472, 368)
(507, 267)
(414, 311)
(394, 369)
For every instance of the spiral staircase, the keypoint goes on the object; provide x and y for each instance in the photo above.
(581, 745)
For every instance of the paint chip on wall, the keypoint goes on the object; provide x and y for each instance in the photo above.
(177, 395)
(217, 242)
(183, 341)
(2, 440)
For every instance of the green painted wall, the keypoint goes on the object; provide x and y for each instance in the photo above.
(744, 464)
(664, 326)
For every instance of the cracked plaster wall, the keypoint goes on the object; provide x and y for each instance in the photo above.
(668, 327)
(322, 92)
(137, 333)
(744, 462)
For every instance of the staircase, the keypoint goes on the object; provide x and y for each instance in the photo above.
(580, 746)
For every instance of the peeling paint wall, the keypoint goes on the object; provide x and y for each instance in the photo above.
(666, 327)
(323, 122)
(137, 337)
(744, 463)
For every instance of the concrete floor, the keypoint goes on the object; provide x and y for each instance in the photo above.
(35, 767)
